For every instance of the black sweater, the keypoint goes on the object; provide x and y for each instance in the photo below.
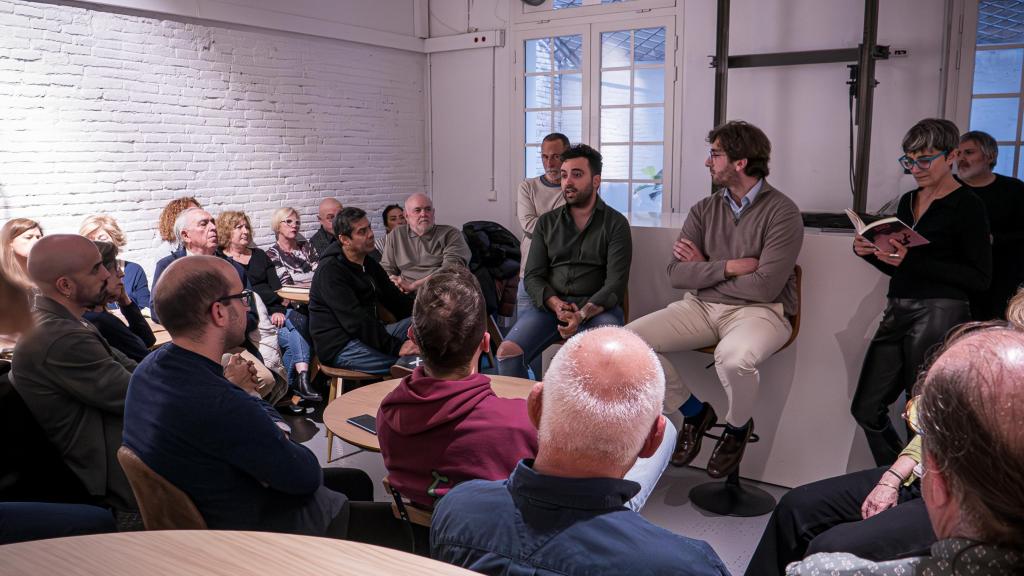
(958, 258)
(262, 275)
(343, 305)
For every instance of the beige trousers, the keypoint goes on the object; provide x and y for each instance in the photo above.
(744, 335)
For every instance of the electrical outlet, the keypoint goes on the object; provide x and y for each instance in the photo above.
(900, 52)
(492, 196)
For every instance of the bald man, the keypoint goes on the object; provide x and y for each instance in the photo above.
(324, 237)
(73, 382)
(597, 412)
(419, 248)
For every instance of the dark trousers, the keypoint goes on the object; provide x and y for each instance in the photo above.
(825, 516)
(907, 334)
(362, 519)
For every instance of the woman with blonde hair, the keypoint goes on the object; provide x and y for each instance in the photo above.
(17, 237)
(103, 228)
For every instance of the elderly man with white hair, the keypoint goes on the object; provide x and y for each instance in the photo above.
(417, 249)
(597, 412)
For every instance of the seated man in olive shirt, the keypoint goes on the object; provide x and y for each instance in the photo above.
(415, 250)
(578, 266)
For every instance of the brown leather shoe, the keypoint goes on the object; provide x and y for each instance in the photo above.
(688, 442)
(728, 453)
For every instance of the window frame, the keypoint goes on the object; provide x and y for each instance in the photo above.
(545, 12)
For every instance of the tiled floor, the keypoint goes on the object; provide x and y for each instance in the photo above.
(733, 538)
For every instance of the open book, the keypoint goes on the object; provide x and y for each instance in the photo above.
(881, 231)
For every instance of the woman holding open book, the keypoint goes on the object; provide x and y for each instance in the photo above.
(930, 282)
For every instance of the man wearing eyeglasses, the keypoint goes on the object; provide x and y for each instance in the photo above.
(539, 195)
(737, 251)
(208, 432)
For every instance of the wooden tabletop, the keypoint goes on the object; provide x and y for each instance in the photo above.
(209, 553)
(366, 400)
(296, 293)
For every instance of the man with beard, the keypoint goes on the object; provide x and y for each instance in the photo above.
(1004, 201)
(417, 249)
(204, 429)
(737, 251)
(70, 378)
(324, 237)
(578, 267)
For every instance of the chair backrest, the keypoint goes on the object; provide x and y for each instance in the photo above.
(162, 504)
(406, 510)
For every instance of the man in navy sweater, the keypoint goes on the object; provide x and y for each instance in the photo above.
(206, 430)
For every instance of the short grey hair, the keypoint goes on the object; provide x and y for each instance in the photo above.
(182, 221)
(986, 142)
(934, 133)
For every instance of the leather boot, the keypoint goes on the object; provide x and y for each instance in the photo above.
(305, 391)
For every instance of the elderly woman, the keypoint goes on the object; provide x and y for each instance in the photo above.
(929, 285)
(103, 228)
(135, 339)
(295, 260)
(16, 240)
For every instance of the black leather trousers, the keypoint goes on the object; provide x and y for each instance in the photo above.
(909, 331)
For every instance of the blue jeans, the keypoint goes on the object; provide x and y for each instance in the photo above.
(537, 329)
(294, 346)
(358, 356)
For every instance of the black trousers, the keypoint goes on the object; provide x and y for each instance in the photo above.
(909, 331)
(825, 516)
(362, 519)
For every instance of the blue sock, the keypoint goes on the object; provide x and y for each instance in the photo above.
(691, 407)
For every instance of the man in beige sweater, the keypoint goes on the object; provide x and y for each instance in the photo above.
(417, 249)
(537, 196)
(737, 251)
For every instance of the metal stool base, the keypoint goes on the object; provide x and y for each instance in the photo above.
(730, 498)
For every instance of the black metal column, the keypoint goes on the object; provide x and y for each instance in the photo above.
(865, 104)
(722, 62)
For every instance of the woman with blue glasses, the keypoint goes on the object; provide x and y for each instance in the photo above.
(929, 284)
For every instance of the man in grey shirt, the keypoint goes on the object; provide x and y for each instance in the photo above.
(419, 248)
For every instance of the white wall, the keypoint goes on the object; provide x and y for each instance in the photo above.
(113, 112)
(803, 109)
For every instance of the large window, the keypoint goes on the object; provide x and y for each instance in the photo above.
(605, 85)
(996, 103)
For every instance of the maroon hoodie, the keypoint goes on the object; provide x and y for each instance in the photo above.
(435, 434)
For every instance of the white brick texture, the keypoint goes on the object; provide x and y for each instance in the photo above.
(104, 112)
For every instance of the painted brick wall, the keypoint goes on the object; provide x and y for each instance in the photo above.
(115, 113)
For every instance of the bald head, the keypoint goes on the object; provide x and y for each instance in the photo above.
(419, 213)
(69, 269)
(329, 208)
(970, 409)
(186, 290)
(601, 396)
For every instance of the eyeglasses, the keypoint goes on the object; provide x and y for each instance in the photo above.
(712, 153)
(910, 416)
(245, 296)
(291, 221)
(924, 162)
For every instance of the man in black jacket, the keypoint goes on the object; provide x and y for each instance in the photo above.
(347, 289)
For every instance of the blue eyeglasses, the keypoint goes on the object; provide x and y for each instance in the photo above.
(924, 162)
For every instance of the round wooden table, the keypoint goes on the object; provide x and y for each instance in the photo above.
(296, 293)
(366, 400)
(209, 553)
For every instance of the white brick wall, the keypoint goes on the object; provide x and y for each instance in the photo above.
(115, 113)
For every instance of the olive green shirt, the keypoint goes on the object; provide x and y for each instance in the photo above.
(580, 266)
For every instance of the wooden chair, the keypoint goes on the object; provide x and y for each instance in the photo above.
(338, 377)
(162, 504)
(406, 510)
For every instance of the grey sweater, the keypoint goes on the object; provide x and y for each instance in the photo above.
(769, 229)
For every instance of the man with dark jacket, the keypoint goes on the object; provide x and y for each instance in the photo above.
(347, 289)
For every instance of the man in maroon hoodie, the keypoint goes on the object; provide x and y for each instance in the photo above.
(443, 424)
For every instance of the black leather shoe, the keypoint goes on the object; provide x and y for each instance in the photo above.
(728, 452)
(304, 390)
(690, 437)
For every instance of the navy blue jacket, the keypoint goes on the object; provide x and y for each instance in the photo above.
(136, 284)
(163, 263)
(545, 525)
(223, 448)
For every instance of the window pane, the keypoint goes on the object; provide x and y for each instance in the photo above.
(559, 4)
(616, 162)
(538, 125)
(534, 167)
(647, 161)
(568, 52)
(649, 124)
(997, 116)
(1000, 22)
(1020, 166)
(615, 49)
(650, 86)
(997, 71)
(615, 87)
(647, 197)
(568, 90)
(1004, 163)
(616, 195)
(538, 91)
(649, 46)
(570, 123)
(538, 55)
(614, 125)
